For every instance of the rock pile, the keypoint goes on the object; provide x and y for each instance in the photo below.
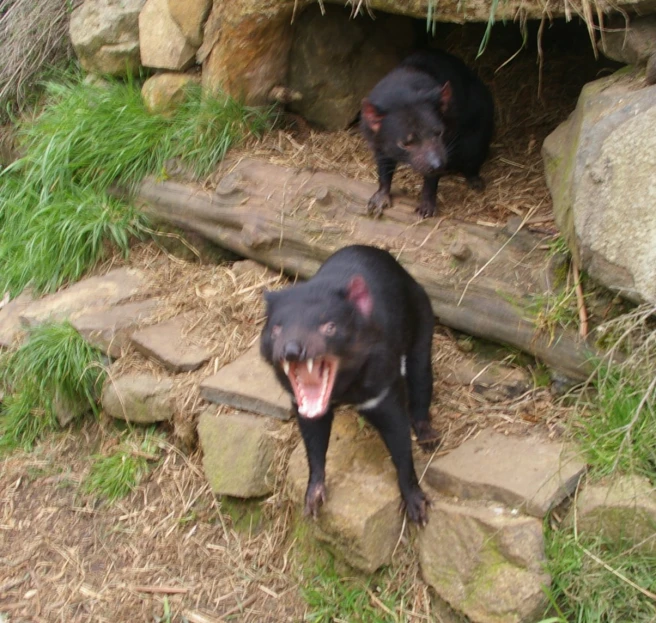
(483, 549)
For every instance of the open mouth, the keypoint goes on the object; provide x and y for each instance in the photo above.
(312, 381)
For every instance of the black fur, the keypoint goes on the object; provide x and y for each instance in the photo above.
(433, 113)
(375, 326)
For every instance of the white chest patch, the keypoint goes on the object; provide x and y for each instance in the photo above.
(372, 402)
(403, 366)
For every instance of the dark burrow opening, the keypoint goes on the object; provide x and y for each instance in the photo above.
(535, 74)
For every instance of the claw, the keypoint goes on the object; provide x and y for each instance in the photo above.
(416, 506)
(315, 496)
(380, 200)
(426, 209)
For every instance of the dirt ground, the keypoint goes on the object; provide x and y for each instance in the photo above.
(171, 551)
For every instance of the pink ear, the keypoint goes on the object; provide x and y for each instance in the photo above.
(372, 117)
(358, 293)
(445, 97)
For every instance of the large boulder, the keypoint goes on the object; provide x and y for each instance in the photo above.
(486, 562)
(335, 61)
(245, 49)
(190, 17)
(162, 43)
(105, 35)
(165, 92)
(633, 45)
(600, 168)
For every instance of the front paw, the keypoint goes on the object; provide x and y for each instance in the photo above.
(315, 496)
(426, 209)
(416, 504)
(380, 200)
(427, 437)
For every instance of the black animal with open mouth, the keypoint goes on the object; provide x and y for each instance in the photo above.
(360, 333)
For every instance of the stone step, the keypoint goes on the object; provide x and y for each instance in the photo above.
(485, 561)
(93, 294)
(249, 384)
(110, 329)
(172, 345)
(238, 452)
(140, 398)
(527, 473)
(622, 509)
(361, 518)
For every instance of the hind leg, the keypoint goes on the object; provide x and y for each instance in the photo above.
(419, 375)
(473, 154)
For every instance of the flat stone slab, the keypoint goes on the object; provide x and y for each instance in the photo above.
(10, 319)
(361, 519)
(110, 329)
(238, 452)
(94, 293)
(485, 561)
(528, 473)
(171, 345)
(249, 384)
(620, 510)
(138, 398)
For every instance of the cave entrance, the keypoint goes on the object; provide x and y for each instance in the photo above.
(335, 60)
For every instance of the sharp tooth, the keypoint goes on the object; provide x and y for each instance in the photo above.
(285, 367)
(310, 365)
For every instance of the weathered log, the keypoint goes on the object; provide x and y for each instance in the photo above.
(484, 281)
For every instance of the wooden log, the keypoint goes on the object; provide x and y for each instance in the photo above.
(482, 280)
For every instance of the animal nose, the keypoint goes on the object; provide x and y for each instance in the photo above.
(293, 351)
(434, 161)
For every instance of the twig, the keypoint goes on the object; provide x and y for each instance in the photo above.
(580, 302)
(240, 607)
(166, 590)
(617, 574)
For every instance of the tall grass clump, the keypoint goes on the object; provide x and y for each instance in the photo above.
(115, 475)
(594, 581)
(617, 424)
(54, 365)
(57, 219)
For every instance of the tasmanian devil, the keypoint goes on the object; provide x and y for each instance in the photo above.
(433, 113)
(359, 332)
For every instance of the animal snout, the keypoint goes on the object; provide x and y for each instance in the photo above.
(293, 351)
(434, 162)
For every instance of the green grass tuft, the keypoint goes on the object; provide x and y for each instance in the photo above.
(115, 475)
(56, 219)
(585, 591)
(331, 596)
(617, 424)
(48, 243)
(54, 363)
(618, 429)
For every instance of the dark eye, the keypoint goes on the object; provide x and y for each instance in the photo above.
(409, 140)
(328, 329)
(438, 132)
(275, 332)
